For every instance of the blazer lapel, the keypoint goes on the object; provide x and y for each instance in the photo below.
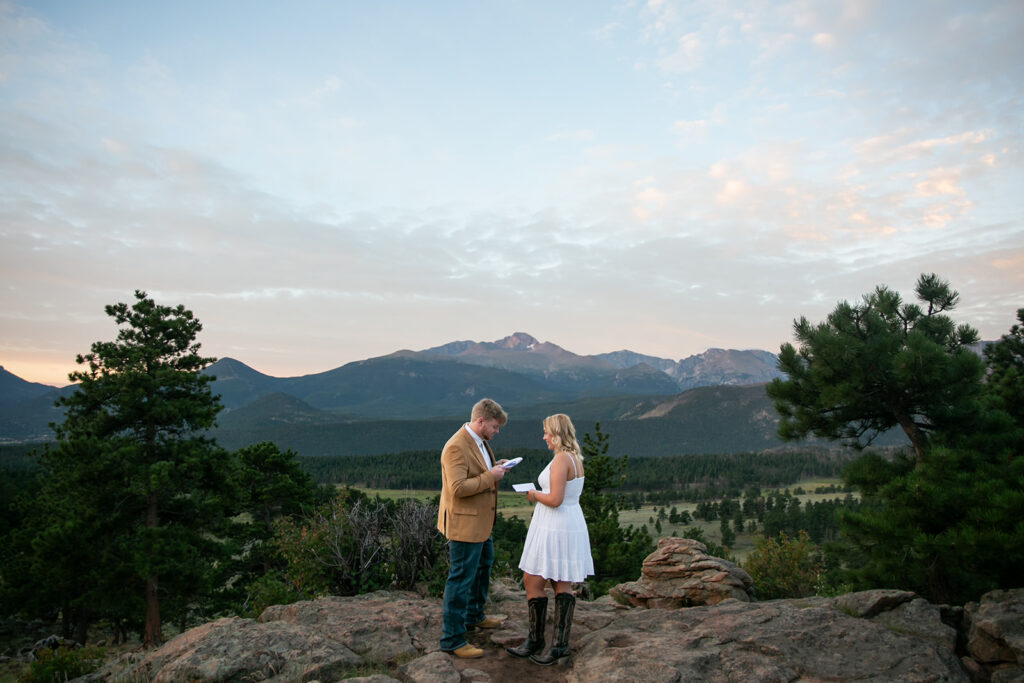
(475, 450)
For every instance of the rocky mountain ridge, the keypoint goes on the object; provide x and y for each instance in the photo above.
(518, 370)
(519, 353)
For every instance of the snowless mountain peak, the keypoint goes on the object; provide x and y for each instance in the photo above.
(520, 341)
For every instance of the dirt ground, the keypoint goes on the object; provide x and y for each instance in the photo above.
(501, 666)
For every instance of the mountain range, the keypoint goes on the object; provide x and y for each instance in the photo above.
(518, 370)
(712, 402)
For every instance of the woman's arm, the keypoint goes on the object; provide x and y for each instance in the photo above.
(559, 472)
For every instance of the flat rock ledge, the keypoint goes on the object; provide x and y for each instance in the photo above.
(881, 635)
(326, 639)
(779, 640)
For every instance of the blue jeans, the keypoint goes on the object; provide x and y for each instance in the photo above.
(465, 592)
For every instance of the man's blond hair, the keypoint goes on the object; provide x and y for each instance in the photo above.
(488, 410)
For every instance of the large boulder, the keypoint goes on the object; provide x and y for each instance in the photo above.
(680, 573)
(995, 635)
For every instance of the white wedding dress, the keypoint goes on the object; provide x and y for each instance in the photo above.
(557, 544)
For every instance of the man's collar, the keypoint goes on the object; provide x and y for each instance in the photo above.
(476, 437)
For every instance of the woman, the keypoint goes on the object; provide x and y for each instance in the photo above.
(557, 547)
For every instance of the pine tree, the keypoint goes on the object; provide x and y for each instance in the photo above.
(948, 528)
(728, 535)
(271, 485)
(134, 490)
(618, 553)
(1005, 382)
(946, 522)
(879, 365)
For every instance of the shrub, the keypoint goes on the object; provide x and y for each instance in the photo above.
(355, 545)
(695, 533)
(784, 567)
(62, 664)
(509, 536)
(270, 589)
(419, 551)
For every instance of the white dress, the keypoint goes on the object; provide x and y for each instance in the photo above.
(557, 544)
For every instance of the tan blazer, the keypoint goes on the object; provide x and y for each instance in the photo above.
(469, 494)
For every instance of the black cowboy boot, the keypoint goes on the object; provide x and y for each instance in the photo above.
(565, 603)
(534, 642)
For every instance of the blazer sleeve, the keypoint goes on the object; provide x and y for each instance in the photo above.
(455, 463)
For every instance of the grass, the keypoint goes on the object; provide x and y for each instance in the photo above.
(11, 670)
(712, 530)
(810, 485)
(509, 502)
(512, 504)
(401, 494)
(745, 541)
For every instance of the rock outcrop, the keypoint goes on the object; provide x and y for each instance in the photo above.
(325, 639)
(995, 635)
(680, 573)
(881, 635)
(777, 640)
(700, 623)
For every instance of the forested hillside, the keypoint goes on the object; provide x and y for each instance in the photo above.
(691, 476)
(722, 419)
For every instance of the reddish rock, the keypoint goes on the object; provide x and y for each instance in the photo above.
(680, 573)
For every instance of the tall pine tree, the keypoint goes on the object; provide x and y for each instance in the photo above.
(944, 522)
(134, 490)
(878, 365)
(1005, 381)
(618, 553)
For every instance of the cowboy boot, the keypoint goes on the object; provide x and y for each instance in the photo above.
(565, 604)
(534, 643)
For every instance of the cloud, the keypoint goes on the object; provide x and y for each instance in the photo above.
(690, 129)
(940, 182)
(648, 200)
(331, 85)
(824, 40)
(686, 55)
(767, 161)
(895, 146)
(1014, 264)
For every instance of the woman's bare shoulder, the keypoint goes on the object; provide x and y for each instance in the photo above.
(566, 460)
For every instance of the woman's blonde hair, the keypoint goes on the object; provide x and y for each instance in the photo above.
(563, 434)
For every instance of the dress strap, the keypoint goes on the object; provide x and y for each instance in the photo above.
(575, 472)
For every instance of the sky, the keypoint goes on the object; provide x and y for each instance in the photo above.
(325, 182)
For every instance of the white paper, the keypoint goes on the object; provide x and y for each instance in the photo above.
(523, 488)
(512, 463)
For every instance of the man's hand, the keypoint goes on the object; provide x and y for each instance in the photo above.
(498, 471)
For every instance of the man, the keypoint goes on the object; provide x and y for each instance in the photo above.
(469, 503)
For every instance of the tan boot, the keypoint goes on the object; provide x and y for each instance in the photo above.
(467, 651)
(487, 622)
